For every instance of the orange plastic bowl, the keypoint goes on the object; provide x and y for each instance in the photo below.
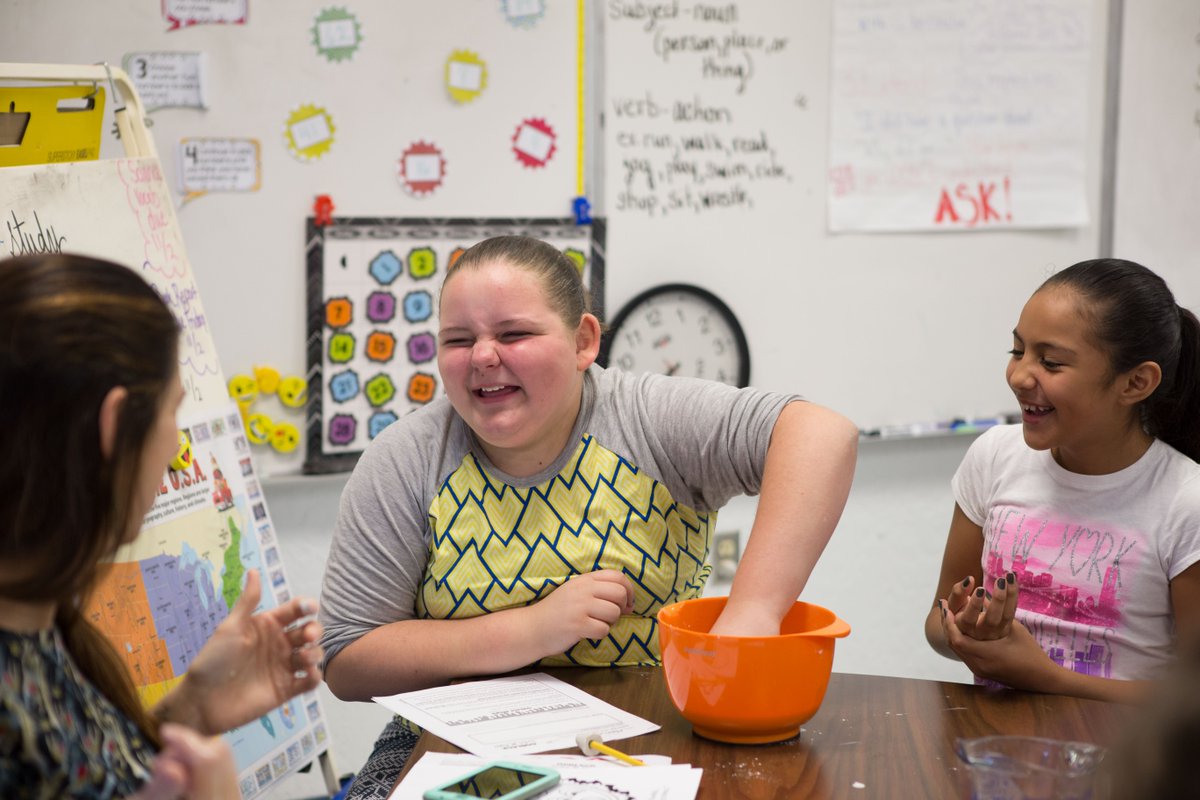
(747, 689)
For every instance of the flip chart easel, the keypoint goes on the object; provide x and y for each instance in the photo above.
(161, 596)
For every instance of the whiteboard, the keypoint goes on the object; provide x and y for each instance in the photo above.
(888, 328)
(120, 210)
(1158, 144)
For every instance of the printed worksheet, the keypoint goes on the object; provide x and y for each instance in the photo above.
(502, 717)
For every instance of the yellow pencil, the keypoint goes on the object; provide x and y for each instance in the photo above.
(591, 745)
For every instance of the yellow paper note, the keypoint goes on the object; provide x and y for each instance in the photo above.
(52, 124)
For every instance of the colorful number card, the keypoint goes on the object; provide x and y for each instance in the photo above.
(372, 317)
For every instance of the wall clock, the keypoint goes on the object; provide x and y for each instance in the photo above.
(678, 329)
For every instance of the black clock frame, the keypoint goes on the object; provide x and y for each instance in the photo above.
(612, 329)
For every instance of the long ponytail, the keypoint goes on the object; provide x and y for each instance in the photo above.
(1175, 418)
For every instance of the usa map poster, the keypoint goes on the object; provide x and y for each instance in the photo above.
(164, 595)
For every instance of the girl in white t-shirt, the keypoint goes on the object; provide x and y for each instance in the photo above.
(1073, 558)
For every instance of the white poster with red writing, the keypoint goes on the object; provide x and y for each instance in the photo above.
(958, 116)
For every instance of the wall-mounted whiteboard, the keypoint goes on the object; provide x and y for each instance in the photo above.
(718, 172)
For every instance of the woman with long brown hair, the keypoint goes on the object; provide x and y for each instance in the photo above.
(89, 387)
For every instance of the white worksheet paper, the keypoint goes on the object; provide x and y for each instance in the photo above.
(502, 717)
(580, 777)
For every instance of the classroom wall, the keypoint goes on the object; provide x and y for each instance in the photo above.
(880, 569)
(247, 249)
(1158, 149)
(881, 298)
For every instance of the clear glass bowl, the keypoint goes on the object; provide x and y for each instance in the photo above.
(1028, 767)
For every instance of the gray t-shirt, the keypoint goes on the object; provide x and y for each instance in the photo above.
(429, 528)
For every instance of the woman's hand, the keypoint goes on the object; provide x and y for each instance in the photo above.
(252, 664)
(585, 606)
(191, 766)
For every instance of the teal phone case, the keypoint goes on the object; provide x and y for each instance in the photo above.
(497, 780)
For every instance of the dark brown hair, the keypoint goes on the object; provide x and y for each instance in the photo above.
(71, 329)
(558, 274)
(1134, 318)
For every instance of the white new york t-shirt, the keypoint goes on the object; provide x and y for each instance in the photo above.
(1093, 554)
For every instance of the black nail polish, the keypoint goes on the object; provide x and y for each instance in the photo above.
(1012, 577)
(979, 592)
(1000, 584)
(966, 582)
(987, 594)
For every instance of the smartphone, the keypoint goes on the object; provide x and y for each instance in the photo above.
(499, 780)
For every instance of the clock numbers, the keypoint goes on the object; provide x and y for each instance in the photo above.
(681, 330)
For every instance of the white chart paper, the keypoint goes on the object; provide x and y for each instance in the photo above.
(958, 116)
(502, 717)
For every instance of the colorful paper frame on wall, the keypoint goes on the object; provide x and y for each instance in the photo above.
(372, 321)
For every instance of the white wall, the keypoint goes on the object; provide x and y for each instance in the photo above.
(878, 573)
(1158, 149)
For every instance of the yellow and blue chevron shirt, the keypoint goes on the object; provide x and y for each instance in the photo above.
(496, 546)
(429, 529)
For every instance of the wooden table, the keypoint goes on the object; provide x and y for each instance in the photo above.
(872, 737)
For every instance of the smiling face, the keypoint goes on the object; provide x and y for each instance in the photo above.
(1071, 403)
(511, 366)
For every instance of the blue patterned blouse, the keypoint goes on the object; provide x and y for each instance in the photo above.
(59, 737)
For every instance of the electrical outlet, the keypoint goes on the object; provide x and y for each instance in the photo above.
(725, 554)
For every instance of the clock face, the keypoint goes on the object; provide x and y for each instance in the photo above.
(678, 329)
